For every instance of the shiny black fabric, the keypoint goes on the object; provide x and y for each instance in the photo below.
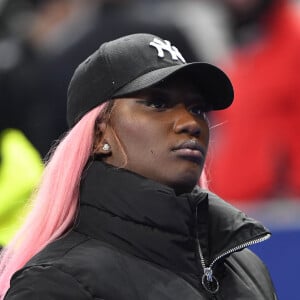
(135, 239)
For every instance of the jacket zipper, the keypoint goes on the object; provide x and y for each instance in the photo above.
(208, 280)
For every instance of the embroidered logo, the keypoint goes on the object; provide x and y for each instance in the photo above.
(165, 45)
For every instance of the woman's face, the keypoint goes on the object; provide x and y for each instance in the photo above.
(160, 133)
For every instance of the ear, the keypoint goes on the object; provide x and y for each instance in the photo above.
(101, 140)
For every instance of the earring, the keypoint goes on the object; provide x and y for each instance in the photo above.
(106, 147)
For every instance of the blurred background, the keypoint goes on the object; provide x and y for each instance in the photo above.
(254, 161)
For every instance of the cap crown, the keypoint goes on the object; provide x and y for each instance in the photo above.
(113, 65)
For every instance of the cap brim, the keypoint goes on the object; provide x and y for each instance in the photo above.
(212, 81)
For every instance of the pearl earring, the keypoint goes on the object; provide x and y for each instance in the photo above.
(106, 147)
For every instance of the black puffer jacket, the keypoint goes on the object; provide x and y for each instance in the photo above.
(135, 239)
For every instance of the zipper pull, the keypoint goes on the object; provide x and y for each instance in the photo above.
(209, 274)
(209, 281)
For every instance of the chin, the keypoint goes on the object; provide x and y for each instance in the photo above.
(183, 189)
(186, 181)
(184, 186)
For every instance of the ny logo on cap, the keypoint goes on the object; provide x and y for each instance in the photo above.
(166, 45)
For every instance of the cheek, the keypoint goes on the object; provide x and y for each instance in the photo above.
(137, 136)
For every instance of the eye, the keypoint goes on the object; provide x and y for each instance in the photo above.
(198, 110)
(156, 103)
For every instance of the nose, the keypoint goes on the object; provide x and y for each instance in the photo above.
(185, 122)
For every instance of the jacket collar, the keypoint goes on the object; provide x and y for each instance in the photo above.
(147, 219)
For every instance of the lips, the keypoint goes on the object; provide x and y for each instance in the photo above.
(191, 150)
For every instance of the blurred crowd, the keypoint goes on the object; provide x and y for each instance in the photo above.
(254, 150)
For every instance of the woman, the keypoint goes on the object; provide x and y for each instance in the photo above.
(144, 228)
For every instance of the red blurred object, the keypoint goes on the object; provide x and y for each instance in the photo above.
(256, 152)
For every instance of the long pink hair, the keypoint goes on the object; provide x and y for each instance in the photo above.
(55, 204)
(203, 182)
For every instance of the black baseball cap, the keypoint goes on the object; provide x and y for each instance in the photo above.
(135, 62)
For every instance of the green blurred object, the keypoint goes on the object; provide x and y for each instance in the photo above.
(20, 170)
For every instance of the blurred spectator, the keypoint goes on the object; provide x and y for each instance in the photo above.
(35, 89)
(20, 171)
(202, 22)
(260, 161)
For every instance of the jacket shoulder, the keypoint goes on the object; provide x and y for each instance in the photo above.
(45, 282)
(104, 272)
(75, 264)
(253, 271)
(58, 271)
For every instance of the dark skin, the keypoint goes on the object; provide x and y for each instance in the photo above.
(160, 133)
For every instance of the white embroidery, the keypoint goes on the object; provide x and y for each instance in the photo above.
(166, 45)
